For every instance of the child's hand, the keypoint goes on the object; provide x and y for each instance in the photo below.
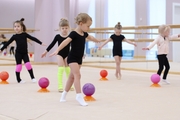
(43, 44)
(44, 54)
(99, 48)
(134, 44)
(54, 53)
(99, 41)
(145, 48)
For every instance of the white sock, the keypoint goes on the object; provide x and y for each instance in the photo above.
(63, 96)
(80, 99)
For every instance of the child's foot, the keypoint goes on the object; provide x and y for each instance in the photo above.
(22, 81)
(119, 78)
(72, 89)
(116, 75)
(63, 96)
(165, 81)
(34, 80)
(80, 99)
(60, 90)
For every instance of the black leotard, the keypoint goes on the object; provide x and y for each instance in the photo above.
(77, 47)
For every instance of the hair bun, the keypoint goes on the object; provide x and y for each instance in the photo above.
(22, 19)
(118, 23)
(63, 19)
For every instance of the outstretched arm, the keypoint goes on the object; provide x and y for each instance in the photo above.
(130, 42)
(7, 43)
(61, 46)
(44, 53)
(90, 37)
(108, 40)
(151, 45)
(174, 36)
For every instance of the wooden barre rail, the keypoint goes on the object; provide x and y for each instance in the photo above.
(11, 29)
(99, 32)
(146, 40)
(106, 28)
(130, 28)
(104, 32)
(135, 27)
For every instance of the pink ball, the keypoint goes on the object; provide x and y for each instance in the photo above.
(43, 82)
(155, 78)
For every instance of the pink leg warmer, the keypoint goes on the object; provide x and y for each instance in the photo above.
(28, 66)
(18, 68)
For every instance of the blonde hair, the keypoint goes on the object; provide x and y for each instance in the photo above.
(63, 22)
(118, 26)
(163, 28)
(82, 17)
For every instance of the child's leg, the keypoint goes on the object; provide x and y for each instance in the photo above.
(118, 69)
(18, 58)
(67, 70)
(167, 67)
(18, 70)
(60, 76)
(75, 68)
(61, 63)
(161, 64)
(74, 77)
(67, 88)
(29, 67)
(30, 70)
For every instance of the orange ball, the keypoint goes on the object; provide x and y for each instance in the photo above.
(4, 75)
(103, 73)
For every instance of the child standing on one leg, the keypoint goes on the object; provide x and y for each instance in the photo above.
(117, 39)
(162, 41)
(21, 49)
(77, 38)
(62, 55)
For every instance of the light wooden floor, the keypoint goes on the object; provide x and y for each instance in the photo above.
(130, 98)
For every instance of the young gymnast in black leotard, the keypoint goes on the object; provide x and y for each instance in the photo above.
(117, 39)
(21, 49)
(77, 38)
(62, 55)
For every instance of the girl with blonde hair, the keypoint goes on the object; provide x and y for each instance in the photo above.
(62, 55)
(162, 42)
(77, 38)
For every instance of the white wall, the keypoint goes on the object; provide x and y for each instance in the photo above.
(12, 10)
(47, 16)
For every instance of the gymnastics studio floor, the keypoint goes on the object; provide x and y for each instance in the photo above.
(130, 98)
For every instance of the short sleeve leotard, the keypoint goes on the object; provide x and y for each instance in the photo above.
(65, 51)
(117, 44)
(77, 47)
